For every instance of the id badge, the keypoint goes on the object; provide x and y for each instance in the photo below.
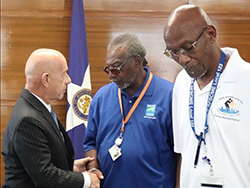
(211, 181)
(115, 152)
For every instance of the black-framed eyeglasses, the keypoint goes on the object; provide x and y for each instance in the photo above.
(188, 49)
(115, 69)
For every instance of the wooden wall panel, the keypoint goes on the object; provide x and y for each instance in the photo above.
(128, 6)
(28, 25)
(227, 7)
(20, 37)
(234, 33)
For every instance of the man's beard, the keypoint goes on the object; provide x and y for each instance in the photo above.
(124, 84)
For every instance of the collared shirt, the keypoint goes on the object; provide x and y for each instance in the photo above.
(147, 146)
(228, 120)
(48, 106)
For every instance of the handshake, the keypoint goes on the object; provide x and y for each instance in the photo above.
(80, 165)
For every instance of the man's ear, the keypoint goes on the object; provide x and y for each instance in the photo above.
(212, 33)
(45, 79)
(138, 60)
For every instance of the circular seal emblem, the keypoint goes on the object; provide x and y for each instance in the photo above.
(81, 102)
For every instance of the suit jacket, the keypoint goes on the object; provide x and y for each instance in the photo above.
(35, 154)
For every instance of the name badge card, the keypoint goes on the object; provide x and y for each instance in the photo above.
(211, 181)
(115, 152)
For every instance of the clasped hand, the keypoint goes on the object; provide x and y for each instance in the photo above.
(95, 174)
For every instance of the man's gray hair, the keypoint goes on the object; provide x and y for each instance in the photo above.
(130, 42)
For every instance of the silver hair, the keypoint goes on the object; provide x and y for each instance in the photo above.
(132, 44)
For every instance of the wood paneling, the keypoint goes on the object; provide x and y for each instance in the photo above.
(227, 7)
(128, 6)
(28, 25)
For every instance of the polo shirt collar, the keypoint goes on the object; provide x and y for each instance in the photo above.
(149, 91)
(234, 66)
(231, 72)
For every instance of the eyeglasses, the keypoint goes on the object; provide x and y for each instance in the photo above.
(114, 69)
(188, 49)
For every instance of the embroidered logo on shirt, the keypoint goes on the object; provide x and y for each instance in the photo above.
(81, 102)
(150, 111)
(229, 108)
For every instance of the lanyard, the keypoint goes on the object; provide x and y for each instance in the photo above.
(210, 97)
(124, 121)
(209, 103)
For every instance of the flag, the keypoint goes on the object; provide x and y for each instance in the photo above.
(79, 93)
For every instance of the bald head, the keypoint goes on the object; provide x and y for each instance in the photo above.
(42, 66)
(188, 14)
(184, 20)
(40, 61)
(191, 41)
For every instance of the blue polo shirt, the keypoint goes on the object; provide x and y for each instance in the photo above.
(147, 158)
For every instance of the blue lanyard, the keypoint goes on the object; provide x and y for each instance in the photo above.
(209, 100)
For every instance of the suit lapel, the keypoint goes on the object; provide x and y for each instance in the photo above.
(40, 107)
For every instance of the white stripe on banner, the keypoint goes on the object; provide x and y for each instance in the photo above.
(78, 106)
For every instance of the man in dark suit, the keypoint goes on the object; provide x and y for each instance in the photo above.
(37, 150)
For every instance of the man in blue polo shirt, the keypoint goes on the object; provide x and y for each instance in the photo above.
(130, 126)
